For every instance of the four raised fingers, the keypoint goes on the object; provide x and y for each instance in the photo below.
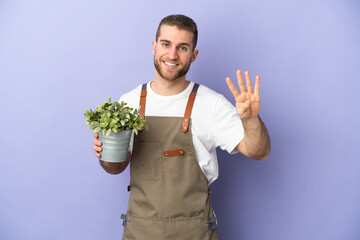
(241, 83)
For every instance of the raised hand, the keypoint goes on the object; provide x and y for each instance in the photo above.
(247, 102)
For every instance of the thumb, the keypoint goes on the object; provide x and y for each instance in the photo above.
(247, 103)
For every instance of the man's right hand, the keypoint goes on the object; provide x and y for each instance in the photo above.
(110, 167)
(97, 145)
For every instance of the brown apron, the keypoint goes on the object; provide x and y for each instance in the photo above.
(169, 197)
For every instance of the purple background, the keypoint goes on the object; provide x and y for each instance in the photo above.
(59, 57)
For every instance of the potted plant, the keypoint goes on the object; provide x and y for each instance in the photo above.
(115, 122)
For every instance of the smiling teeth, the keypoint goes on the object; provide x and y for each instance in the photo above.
(170, 64)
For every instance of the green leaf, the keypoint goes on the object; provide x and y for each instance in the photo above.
(114, 116)
(108, 132)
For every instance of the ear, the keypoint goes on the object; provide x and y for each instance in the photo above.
(153, 47)
(194, 55)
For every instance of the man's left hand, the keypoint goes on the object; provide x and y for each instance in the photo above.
(247, 102)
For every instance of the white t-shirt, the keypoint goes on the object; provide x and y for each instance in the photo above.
(214, 121)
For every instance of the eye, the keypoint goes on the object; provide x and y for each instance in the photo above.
(165, 45)
(183, 48)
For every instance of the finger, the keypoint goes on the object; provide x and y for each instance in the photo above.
(97, 143)
(96, 135)
(97, 149)
(232, 87)
(240, 81)
(248, 82)
(243, 107)
(257, 86)
(98, 155)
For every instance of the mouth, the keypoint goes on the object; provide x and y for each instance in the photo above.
(170, 65)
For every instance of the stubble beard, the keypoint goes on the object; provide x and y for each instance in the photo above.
(171, 75)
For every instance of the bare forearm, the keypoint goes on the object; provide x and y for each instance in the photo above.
(256, 138)
(115, 167)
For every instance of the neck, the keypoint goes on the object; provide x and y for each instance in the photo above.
(168, 87)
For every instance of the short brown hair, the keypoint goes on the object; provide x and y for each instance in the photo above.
(182, 22)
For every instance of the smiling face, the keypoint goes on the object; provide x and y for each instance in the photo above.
(173, 53)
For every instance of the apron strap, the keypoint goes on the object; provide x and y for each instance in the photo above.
(189, 106)
(143, 101)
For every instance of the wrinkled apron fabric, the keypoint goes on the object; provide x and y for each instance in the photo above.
(169, 196)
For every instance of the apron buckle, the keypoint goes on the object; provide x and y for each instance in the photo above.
(212, 222)
(124, 217)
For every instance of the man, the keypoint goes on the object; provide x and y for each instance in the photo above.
(174, 162)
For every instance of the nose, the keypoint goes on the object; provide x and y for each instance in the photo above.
(173, 54)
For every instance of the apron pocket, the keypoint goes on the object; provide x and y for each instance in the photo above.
(191, 228)
(147, 161)
(143, 229)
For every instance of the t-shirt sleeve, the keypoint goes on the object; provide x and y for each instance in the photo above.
(227, 126)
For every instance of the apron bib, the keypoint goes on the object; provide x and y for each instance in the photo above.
(169, 196)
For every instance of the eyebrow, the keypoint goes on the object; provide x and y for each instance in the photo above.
(181, 44)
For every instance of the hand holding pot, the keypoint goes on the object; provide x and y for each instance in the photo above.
(97, 145)
(115, 123)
